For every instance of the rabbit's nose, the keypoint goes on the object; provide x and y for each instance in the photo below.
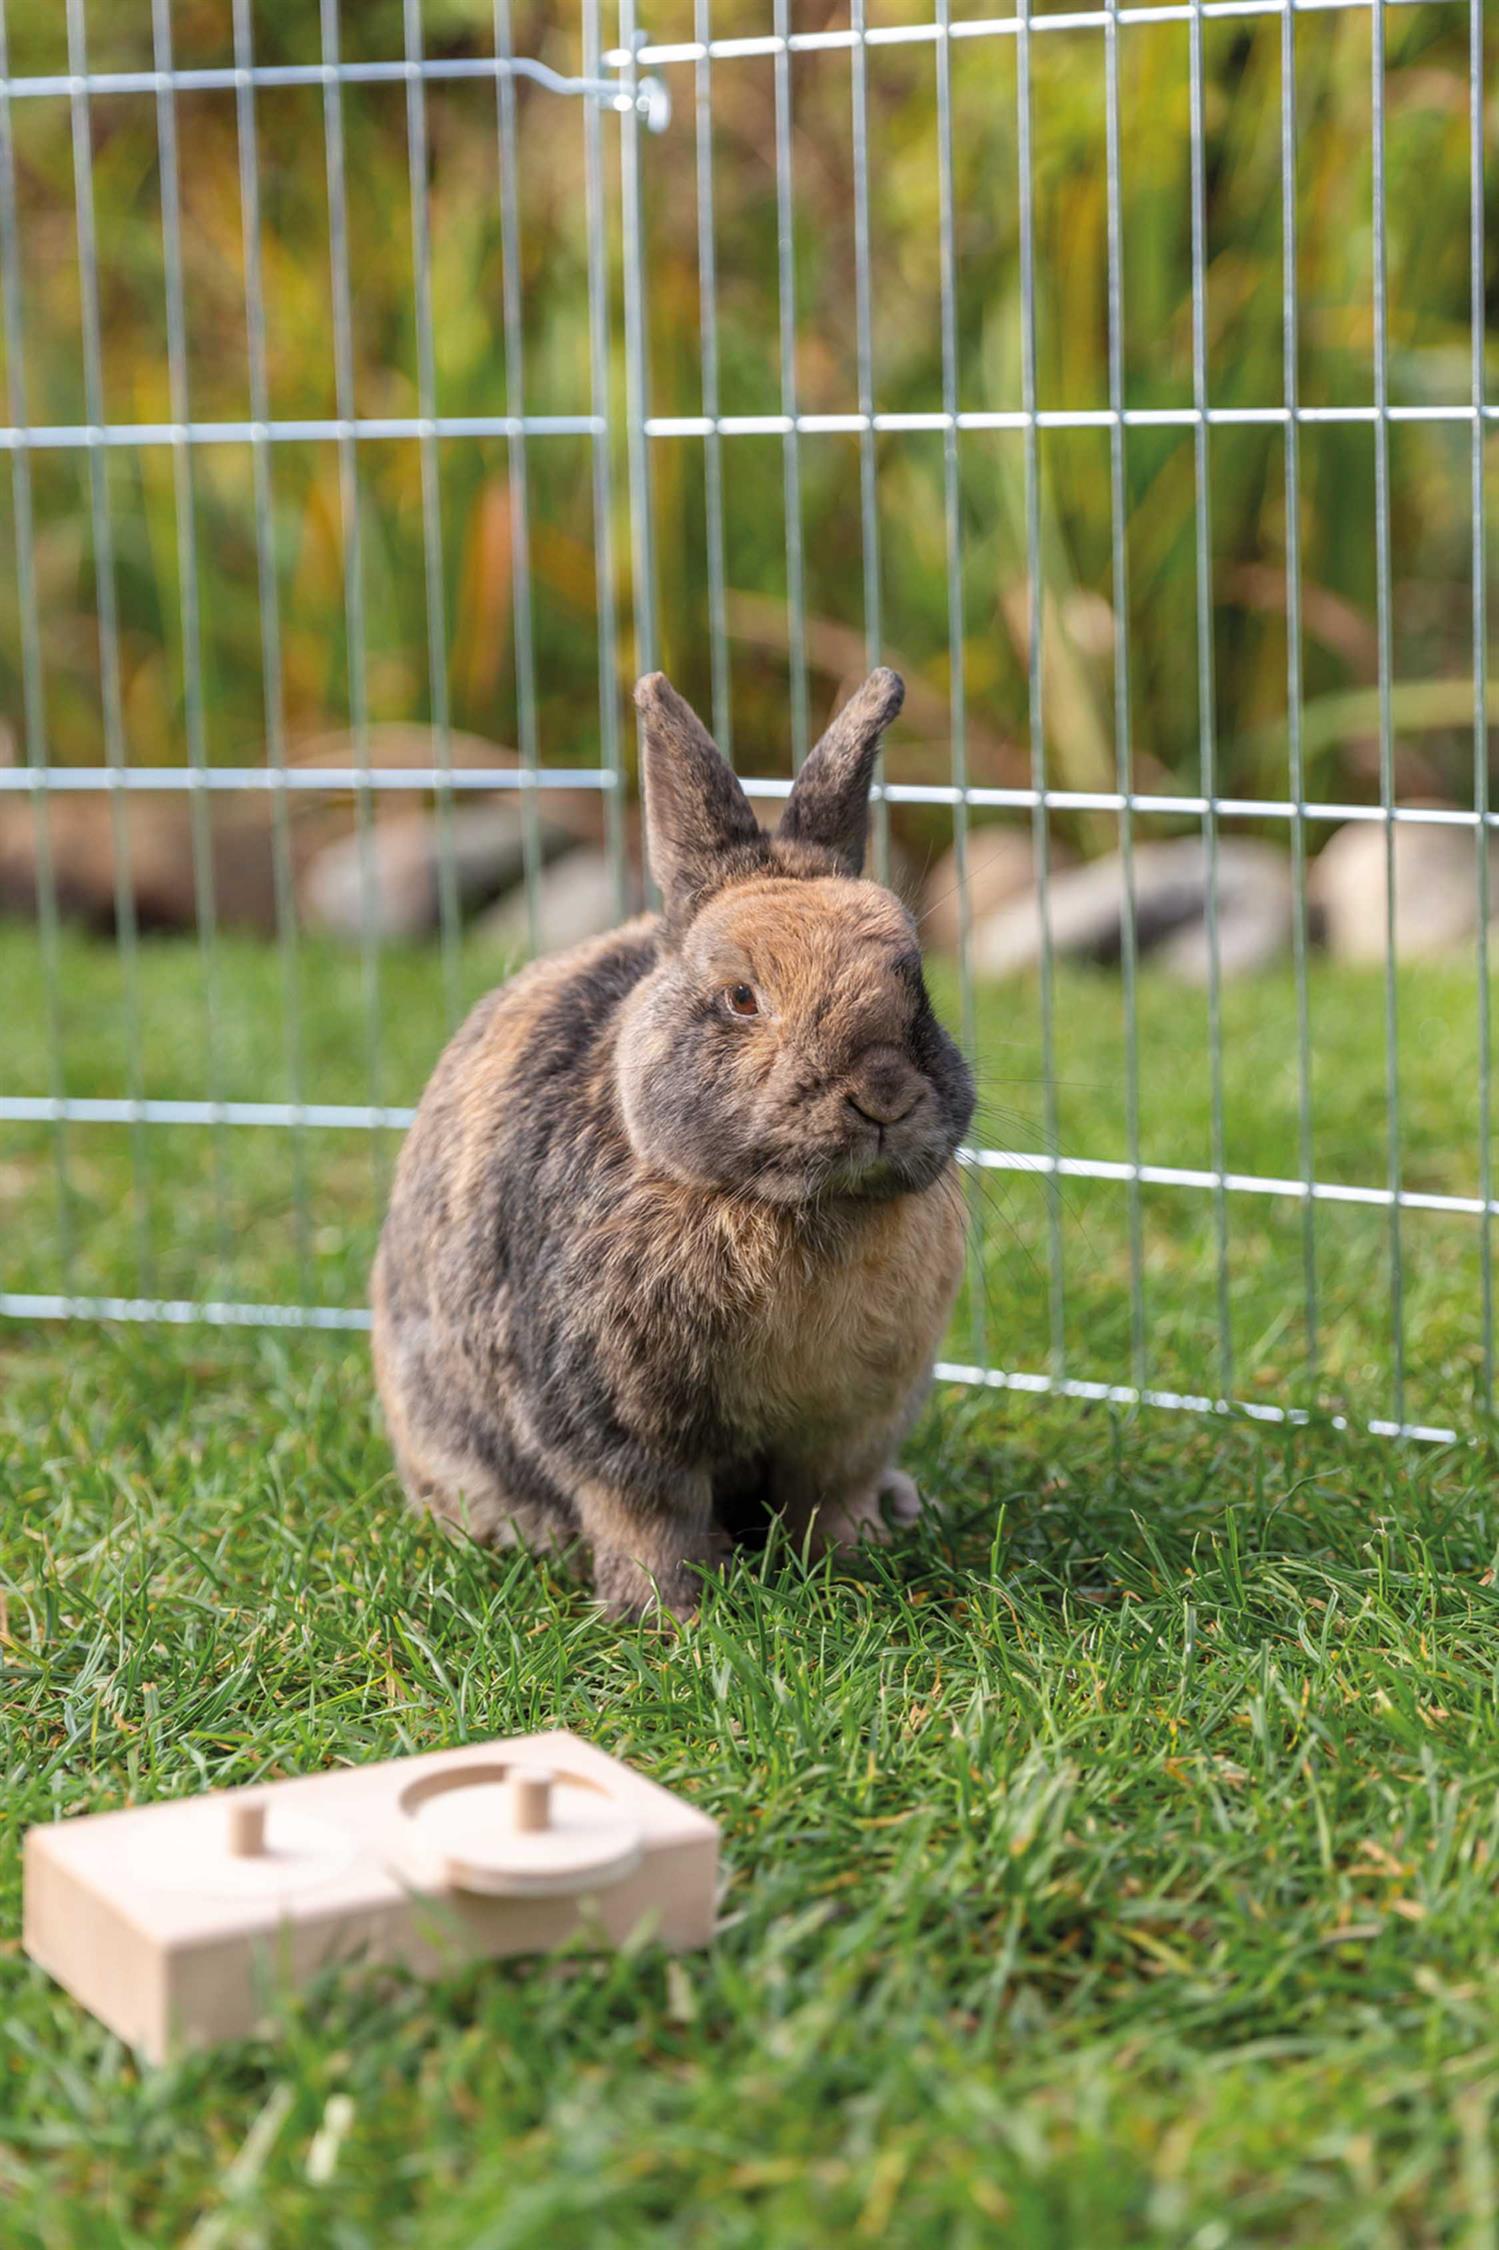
(885, 1088)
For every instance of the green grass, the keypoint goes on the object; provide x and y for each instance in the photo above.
(263, 1214)
(1111, 1862)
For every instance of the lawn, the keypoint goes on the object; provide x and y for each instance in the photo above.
(1110, 1862)
(256, 1213)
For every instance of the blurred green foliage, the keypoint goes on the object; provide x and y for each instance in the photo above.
(1428, 201)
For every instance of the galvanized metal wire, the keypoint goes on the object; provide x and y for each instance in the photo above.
(427, 445)
(33, 703)
(624, 440)
(791, 451)
(1123, 725)
(351, 526)
(707, 260)
(1476, 249)
(106, 599)
(272, 684)
(869, 511)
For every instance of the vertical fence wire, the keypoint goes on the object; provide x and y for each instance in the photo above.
(33, 690)
(1482, 840)
(602, 467)
(952, 508)
(707, 269)
(637, 369)
(431, 482)
(272, 686)
(869, 503)
(791, 446)
(1295, 754)
(260, 432)
(1207, 717)
(1035, 676)
(106, 595)
(350, 506)
(1384, 627)
(205, 901)
(1124, 759)
(513, 312)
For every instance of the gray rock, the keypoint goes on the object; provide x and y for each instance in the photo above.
(1256, 910)
(1087, 911)
(1001, 867)
(576, 898)
(405, 850)
(1436, 889)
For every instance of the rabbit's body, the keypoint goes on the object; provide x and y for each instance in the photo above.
(620, 1281)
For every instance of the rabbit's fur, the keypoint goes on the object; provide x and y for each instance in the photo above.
(679, 1216)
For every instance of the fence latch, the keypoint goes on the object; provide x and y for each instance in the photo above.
(648, 97)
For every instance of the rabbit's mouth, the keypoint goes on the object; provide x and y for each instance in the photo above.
(893, 1153)
(873, 1150)
(892, 1170)
(874, 1164)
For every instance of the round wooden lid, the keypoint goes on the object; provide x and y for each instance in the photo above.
(524, 1833)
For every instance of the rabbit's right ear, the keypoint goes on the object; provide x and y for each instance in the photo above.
(695, 810)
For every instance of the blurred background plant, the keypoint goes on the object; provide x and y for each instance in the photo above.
(1428, 192)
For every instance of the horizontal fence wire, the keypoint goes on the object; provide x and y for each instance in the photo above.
(42, 1109)
(1003, 27)
(341, 780)
(1055, 418)
(82, 436)
(183, 1312)
(429, 429)
(228, 78)
(39, 437)
(231, 78)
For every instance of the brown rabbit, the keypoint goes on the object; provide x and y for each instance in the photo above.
(678, 1217)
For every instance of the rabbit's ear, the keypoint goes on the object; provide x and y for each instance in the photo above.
(695, 810)
(829, 803)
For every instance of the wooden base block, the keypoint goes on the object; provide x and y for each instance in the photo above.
(177, 1924)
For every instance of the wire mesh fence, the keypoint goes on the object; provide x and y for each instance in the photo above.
(406, 389)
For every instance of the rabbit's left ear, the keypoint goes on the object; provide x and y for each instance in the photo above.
(829, 801)
(695, 810)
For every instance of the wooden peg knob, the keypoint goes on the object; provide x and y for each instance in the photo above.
(246, 1827)
(531, 1792)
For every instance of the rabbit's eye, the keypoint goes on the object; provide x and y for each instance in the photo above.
(742, 1000)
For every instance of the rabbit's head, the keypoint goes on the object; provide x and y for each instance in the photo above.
(784, 1046)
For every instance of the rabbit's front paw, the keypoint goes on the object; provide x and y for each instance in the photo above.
(888, 1506)
(902, 1501)
(670, 1594)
